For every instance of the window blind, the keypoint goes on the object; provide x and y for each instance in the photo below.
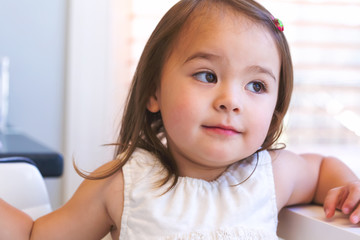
(324, 37)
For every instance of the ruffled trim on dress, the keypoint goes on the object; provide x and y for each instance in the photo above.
(236, 233)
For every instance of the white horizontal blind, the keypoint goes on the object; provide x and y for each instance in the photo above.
(324, 37)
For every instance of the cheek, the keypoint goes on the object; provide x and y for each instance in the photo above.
(178, 111)
(261, 123)
(175, 117)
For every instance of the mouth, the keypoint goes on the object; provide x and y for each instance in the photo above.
(222, 130)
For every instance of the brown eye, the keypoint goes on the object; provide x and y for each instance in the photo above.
(256, 87)
(206, 77)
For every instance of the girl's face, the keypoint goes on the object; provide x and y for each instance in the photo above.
(218, 92)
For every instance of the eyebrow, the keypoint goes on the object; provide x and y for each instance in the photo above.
(260, 69)
(201, 55)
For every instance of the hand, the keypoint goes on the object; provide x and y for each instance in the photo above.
(346, 199)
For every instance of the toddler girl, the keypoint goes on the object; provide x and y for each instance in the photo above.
(196, 155)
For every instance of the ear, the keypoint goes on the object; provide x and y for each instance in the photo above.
(153, 104)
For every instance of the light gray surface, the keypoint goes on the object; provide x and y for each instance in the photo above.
(309, 222)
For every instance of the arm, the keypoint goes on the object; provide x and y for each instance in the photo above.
(314, 178)
(93, 211)
(338, 187)
(14, 223)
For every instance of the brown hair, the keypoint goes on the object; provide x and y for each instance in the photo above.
(141, 128)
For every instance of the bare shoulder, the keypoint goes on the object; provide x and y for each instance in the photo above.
(295, 176)
(114, 197)
(110, 192)
(94, 210)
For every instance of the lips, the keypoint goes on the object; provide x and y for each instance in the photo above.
(222, 130)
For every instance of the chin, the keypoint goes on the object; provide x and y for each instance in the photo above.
(220, 160)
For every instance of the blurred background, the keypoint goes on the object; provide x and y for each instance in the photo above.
(71, 62)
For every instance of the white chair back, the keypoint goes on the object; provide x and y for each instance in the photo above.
(22, 186)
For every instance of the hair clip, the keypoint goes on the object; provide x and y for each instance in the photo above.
(278, 24)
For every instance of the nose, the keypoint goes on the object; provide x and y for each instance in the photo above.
(229, 101)
(227, 108)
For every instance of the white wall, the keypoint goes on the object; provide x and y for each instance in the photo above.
(94, 92)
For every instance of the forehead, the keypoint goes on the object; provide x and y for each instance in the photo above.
(208, 19)
(209, 14)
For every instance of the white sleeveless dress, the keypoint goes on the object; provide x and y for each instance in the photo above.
(198, 209)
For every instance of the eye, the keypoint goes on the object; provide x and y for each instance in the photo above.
(206, 77)
(256, 87)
